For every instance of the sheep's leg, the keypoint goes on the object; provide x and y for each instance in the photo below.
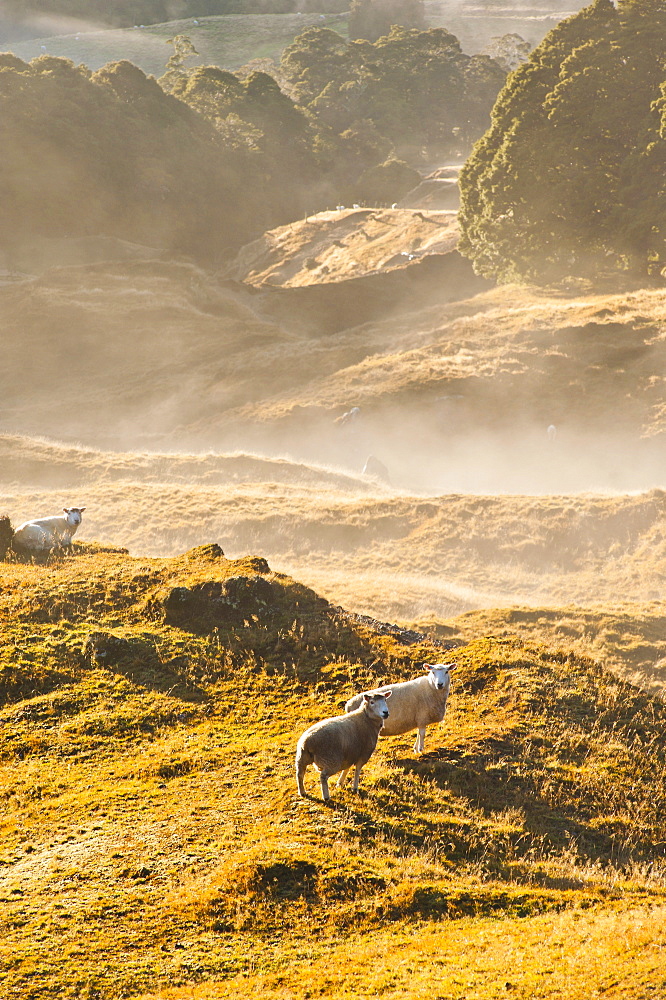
(343, 777)
(301, 765)
(420, 741)
(325, 794)
(357, 775)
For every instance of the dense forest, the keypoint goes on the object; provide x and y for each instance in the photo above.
(569, 179)
(203, 159)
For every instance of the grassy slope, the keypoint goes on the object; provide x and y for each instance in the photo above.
(166, 354)
(599, 562)
(336, 245)
(152, 843)
(229, 41)
(234, 40)
(360, 542)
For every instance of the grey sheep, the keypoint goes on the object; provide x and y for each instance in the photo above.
(342, 742)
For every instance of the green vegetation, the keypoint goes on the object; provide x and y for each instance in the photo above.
(111, 153)
(569, 178)
(417, 88)
(126, 13)
(210, 159)
(351, 105)
(373, 18)
(151, 834)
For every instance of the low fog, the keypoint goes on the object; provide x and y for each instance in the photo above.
(522, 458)
(305, 394)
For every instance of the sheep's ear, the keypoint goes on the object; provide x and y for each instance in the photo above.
(367, 698)
(81, 510)
(66, 510)
(428, 666)
(387, 694)
(452, 667)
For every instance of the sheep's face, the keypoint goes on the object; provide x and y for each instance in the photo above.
(375, 703)
(73, 515)
(439, 675)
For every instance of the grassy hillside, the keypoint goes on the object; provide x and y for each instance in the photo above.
(153, 845)
(378, 551)
(456, 389)
(628, 638)
(337, 245)
(233, 40)
(228, 41)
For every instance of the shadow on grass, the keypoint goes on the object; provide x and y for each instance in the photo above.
(138, 662)
(558, 813)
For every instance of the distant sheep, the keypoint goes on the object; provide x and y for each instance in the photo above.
(350, 418)
(47, 533)
(415, 704)
(342, 742)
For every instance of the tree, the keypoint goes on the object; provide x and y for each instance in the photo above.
(255, 117)
(550, 189)
(315, 58)
(371, 19)
(509, 50)
(110, 153)
(418, 88)
(387, 182)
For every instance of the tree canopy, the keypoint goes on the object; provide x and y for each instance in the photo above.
(205, 159)
(569, 178)
(346, 108)
(373, 18)
(418, 88)
(109, 152)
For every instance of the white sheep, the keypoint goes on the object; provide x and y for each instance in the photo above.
(350, 418)
(342, 742)
(415, 704)
(46, 533)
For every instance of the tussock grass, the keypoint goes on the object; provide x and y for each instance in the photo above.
(153, 844)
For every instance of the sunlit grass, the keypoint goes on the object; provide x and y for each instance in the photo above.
(153, 844)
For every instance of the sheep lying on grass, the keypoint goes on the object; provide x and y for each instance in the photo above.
(44, 534)
(342, 742)
(415, 704)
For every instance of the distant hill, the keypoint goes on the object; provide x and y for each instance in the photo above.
(228, 41)
(455, 393)
(231, 41)
(377, 549)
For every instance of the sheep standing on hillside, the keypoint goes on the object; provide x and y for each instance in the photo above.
(44, 534)
(342, 742)
(415, 704)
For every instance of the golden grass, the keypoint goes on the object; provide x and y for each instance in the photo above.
(362, 545)
(169, 356)
(335, 245)
(574, 955)
(153, 844)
